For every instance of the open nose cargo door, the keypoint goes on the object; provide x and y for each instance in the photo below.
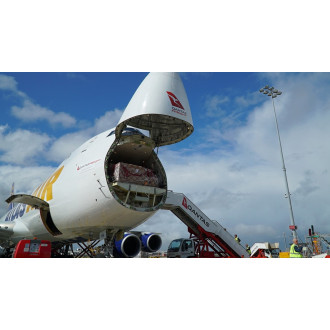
(160, 106)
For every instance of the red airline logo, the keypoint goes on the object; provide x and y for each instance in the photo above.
(174, 100)
(184, 202)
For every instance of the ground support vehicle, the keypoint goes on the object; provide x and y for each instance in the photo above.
(265, 250)
(210, 238)
(32, 248)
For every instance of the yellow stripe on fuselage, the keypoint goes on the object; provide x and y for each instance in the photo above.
(45, 190)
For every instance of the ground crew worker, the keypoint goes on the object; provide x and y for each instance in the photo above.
(295, 250)
(237, 239)
(248, 249)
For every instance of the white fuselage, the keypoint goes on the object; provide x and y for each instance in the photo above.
(80, 201)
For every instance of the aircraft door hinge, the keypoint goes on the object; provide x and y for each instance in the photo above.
(101, 188)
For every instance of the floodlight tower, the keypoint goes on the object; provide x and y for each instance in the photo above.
(271, 91)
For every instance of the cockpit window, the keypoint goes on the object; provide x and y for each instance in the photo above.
(127, 131)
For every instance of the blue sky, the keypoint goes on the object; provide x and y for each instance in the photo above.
(59, 104)
(230, 166)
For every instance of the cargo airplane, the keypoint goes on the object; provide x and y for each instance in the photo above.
(86, 197)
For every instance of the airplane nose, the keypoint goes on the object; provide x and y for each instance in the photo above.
(160, 106)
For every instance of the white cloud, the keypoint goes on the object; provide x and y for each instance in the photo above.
(26, 179)
(247, 100)
(108, 120)
(243, 187)
(31, 112)
(9, 83)
(26, 147)
(63, 146)
(66, 144)
(21, 147)
(214, 104)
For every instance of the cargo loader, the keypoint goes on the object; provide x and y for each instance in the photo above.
(209, 238)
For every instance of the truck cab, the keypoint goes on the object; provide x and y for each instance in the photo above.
(265, 250)
(181, 248)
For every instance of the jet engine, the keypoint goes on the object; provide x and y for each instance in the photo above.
(151, 242)
(128, 247)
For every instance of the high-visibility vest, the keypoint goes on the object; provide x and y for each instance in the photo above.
(293, 253)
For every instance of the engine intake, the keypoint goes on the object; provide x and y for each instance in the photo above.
(128, 247)
(151, 242)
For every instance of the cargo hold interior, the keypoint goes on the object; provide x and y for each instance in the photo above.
(134, 173)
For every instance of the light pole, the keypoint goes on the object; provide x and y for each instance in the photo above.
(271, 91)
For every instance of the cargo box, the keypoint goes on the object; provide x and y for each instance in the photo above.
(134, 174)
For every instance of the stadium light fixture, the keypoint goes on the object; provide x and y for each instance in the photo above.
(271, 91)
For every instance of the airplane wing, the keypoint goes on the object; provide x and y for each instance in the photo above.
(7, 229)
(29, 200)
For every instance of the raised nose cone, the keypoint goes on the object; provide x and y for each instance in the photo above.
(160, 105)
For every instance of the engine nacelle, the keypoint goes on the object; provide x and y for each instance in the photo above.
(128, 247)
(151, 242)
